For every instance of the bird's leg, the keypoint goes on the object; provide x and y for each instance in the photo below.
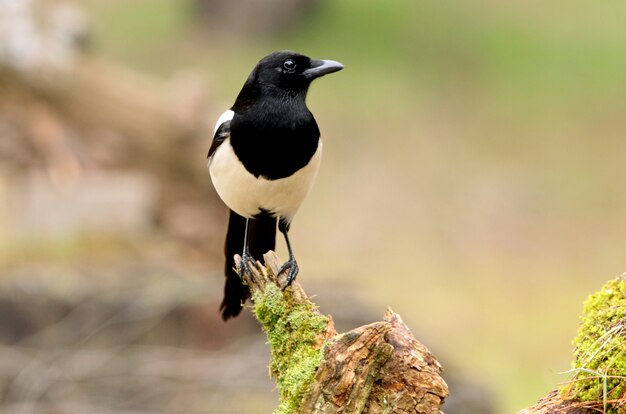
(246, 258)
(290, 265)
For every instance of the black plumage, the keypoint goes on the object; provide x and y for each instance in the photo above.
(263, 159)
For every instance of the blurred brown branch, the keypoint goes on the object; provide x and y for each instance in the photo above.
(69, 117)
(111, 100)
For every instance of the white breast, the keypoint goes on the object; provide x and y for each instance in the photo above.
(247, 195)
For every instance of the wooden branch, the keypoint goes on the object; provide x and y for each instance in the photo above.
(376, 368)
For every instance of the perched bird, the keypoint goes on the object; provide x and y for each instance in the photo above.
(264, 157)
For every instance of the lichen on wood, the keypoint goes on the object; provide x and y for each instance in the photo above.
(374, 369)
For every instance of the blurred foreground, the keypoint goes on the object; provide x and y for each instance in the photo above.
(482, 145)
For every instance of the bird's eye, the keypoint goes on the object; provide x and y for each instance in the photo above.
(289, 65)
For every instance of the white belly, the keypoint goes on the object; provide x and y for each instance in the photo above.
(247, 195)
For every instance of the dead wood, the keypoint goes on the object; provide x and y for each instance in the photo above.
(376, 368)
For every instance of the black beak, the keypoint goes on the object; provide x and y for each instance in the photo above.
(322, 67)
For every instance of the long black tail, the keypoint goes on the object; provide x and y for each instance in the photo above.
(261, 239)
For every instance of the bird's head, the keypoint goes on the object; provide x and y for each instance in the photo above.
(289, 71)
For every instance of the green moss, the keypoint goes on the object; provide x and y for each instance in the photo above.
(292, 331)
(599, 365)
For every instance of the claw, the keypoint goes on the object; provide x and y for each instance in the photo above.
(244, 265)
(292, 266)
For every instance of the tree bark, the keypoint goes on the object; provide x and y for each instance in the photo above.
(376, 368)
(553, 403)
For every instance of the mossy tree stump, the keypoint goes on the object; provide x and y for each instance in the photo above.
(374, 369)
(598, 374)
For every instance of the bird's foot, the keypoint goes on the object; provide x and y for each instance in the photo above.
(291, 266)
(244, 265)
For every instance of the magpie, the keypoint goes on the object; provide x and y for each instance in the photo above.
(263, 159)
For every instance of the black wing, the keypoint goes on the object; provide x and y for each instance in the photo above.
(222, 132)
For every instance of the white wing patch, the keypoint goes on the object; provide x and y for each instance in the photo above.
(226, 116)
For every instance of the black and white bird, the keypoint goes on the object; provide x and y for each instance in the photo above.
(264, 157)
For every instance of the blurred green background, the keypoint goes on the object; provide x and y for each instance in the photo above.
(474, 175)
